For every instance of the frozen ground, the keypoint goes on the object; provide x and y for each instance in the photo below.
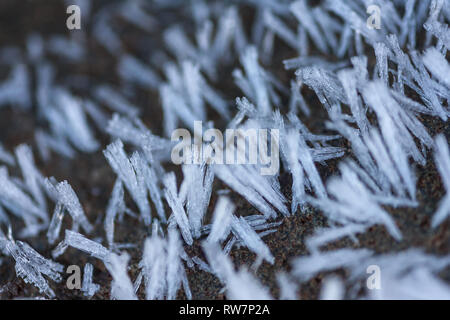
(392, 215)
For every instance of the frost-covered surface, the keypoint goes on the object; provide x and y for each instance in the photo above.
(360, 115)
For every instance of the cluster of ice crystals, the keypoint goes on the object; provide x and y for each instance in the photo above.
(80, 242)
(19, 203)
(255, 83)
(374, 106)
(186, 95)
(121, 285)
(107, 95)
(332, 289)
(410, 274)
(66, 200)
(116, 206)
(240, 285)
(352, 202)
(162, 268)
(258, 190)
(88, 287)
(131, 69)
(221, 220)
(176, 204)
(197, 182)
(250, 238)
(130, 172)
(5, 156)
(16, 89)
(304, 172)
(304, 268)
(30, 265)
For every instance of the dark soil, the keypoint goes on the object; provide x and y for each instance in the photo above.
(92, 178)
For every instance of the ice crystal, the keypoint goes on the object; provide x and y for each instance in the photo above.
(80, 242)
(121, 286)
(442, 159)
(384, 92)
(162, 269)
(88, 287)
(130, 173)
(30, 265)
(66, 200)
(239, 285)
(15, 90)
